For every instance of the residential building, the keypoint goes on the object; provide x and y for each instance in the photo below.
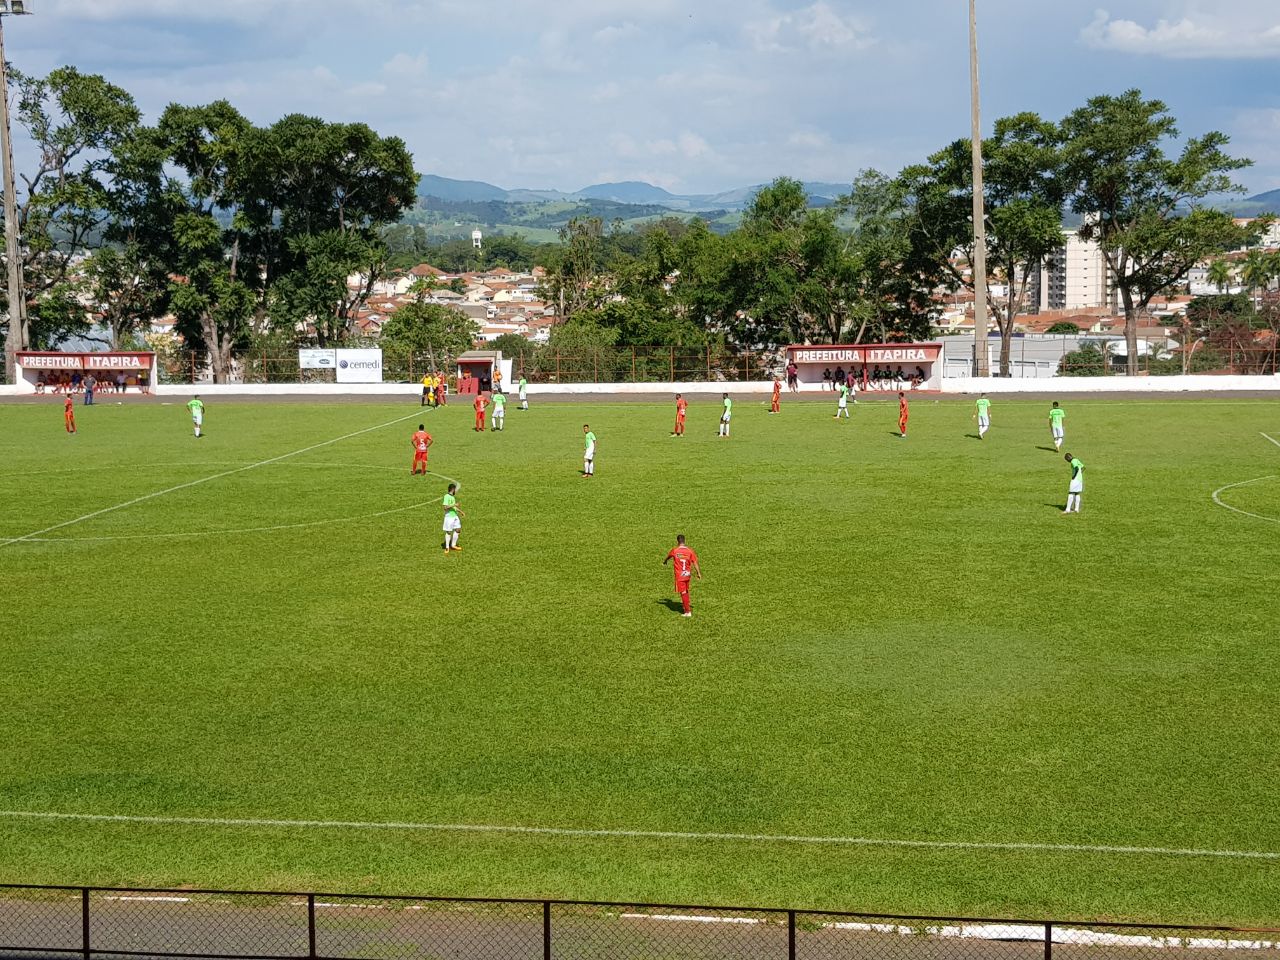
(1076, 277)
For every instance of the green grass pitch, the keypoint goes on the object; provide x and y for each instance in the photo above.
(895, 640)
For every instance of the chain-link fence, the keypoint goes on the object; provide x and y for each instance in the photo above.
(110, 923)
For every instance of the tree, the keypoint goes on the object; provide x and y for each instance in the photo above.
(1140, 205)
(575, 280)
(1063, 327)
(511, 345)
(1220, 274)
(1024, 193)
(443, 333)
(75, 121)
(1257, 272)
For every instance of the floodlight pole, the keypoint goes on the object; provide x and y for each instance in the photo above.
(979, 259)
(16, 337)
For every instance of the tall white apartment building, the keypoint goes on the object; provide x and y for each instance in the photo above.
(1075, 277)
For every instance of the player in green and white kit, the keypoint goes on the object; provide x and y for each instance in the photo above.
(499, 411)
(1076, 489)
(842, 405)
(452, 519)
(524, 393)
(984, 416)
(588, 452)
(726, 416)
(196, 406)
(1056, 416)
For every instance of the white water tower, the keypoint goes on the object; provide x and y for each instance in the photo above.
(477, 239)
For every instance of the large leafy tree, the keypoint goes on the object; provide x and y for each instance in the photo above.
(1023, 191)
(442, 333)
(75, 121)
(1142, 205)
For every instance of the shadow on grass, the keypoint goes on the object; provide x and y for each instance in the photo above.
(1055, 506)
(1048, 449)
(972, 436)
(674, 605)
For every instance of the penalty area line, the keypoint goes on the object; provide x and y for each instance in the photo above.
(1272, 439)
(195, 483)
(588, 833)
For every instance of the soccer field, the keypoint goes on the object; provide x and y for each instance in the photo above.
(896, 640)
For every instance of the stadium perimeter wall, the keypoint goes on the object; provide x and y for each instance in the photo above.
(953, 385)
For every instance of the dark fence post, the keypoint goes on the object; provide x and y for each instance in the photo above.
(791, 935)
(1048, 941)
(86, 949)
(546, 930)
(633, 364)
(673, 364)
(311, 925)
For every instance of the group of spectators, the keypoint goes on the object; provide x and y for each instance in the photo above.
(60, 381)
(878, 378)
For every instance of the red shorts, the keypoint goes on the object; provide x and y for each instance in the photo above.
(682, 586)
(420, 457)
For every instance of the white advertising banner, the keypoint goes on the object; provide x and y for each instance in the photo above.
(318, 359)
(359, 366)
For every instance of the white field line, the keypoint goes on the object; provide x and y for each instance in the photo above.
(196, 483)
(584, 832)
(1217, 498)
(1272, 439)
(152, 899)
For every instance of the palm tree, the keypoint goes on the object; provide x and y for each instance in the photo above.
(1256, 272)
(1220, 275)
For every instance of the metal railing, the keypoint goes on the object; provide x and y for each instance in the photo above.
(91, 922)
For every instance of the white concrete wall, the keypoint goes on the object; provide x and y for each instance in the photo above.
(1188, 384)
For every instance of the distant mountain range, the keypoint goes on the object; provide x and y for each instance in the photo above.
(628, 192)
(646, 194)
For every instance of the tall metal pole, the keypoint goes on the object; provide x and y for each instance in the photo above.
(979, 264)
(16, 339)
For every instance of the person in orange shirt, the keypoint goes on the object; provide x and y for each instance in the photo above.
(776, 403)
(480, 404)
(686, 565)
(681, 406)
(69, 414)
(903, 413)
(421, 444)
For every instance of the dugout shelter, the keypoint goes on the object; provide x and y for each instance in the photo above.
(921, 363)
(477, 371)
(50, 371)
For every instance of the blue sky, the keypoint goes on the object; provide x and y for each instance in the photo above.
(693, 95)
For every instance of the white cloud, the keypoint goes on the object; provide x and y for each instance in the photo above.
(1231, 29)
(819, 27)
(406, 67)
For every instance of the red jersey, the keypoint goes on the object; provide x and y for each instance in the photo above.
(67, 405)
(684, 558)
(421, 440)
(902, 407)
(480, 403)
(681, 405)
(777, 389)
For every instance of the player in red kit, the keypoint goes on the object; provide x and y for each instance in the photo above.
(903, 413)
(480, 404)
(421, 444)
(69, 414)
(681, 406)
(776, 403)
(686, 566)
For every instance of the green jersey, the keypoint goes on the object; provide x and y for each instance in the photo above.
(450, 504)
(523, 383)
(590, 441)
(844, 391)
(499, 402)
(728, 406)
(984, 407)
(1077, 468)
(195, 406)
(1056, 415)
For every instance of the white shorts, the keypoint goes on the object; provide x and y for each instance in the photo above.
(1077, 485)
(589, 453)
(522, 396)
(726, 418)
(452, 522)
(499, 413)
(844, 403)
(1057, 433)
(197, 419)
(984, 421)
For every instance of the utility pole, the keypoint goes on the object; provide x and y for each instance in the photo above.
(16, 338)
(979, 264)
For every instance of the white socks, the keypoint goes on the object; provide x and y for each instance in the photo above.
(1073, 501)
